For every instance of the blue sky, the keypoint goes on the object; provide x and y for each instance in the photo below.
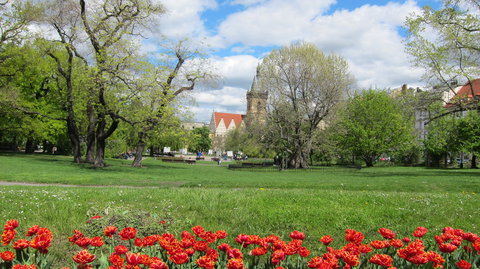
(367, 33)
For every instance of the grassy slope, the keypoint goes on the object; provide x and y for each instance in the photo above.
(316, 202)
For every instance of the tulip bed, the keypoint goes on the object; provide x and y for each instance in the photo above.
(123, 248)
(318, 202)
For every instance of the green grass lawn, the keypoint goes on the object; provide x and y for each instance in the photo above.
(318, 202)
(61, 170)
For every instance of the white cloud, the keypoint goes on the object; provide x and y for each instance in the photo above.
(367, 37)
(236, 71)
(271, 23)
(227, 96)
(183, 18)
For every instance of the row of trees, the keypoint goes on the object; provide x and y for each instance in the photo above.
(313, 112)
(365, 126)
(452, 135)
(372, 124)
(84, 75)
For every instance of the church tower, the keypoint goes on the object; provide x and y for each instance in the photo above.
(256, 102)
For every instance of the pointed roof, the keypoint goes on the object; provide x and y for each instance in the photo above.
(254, 82)
(227, 118)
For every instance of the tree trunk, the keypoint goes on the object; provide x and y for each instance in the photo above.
(474, 161)
(74, 137)
(14, 145)
(45, 146)
(100, 141)
(29, 146)
(100, 153)
(90, 154)
(72, 127)
(369, 161)
(299, 159)
(101, 137)
(137, 162)
(77, 154)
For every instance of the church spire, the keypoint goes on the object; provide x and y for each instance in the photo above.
(253, 88)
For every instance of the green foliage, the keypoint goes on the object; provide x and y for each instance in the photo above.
(249, 142)
(411, 154)
(30, 98)
(123, 140)
(468, 132)
(234, 139)
(452, 134)
(372, 124)
(325, 150)
(169, 133)
(14, 19)
(441, 138)
(445, 42)
(201, 141)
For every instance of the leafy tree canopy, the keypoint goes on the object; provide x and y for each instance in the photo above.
(372, 124)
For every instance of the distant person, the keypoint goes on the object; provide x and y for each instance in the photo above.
(54, 149)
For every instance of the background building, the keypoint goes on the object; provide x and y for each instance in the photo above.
(221, 123)
(193, 125)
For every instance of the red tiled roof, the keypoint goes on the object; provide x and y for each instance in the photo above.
(464, 93)
(466, 90)
(227, 118)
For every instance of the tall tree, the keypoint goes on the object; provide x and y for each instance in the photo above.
(201, 141)
(15, 17)
(441, 140)
(29, 94)
(108, 26)
(64, 17)
(160, 89)
(468, 133)
(249, 141)
(372, 124)
(304, 86)
(110, 58)
(445, 43)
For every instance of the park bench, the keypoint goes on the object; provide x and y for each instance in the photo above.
(358, 167)
(177, 160)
